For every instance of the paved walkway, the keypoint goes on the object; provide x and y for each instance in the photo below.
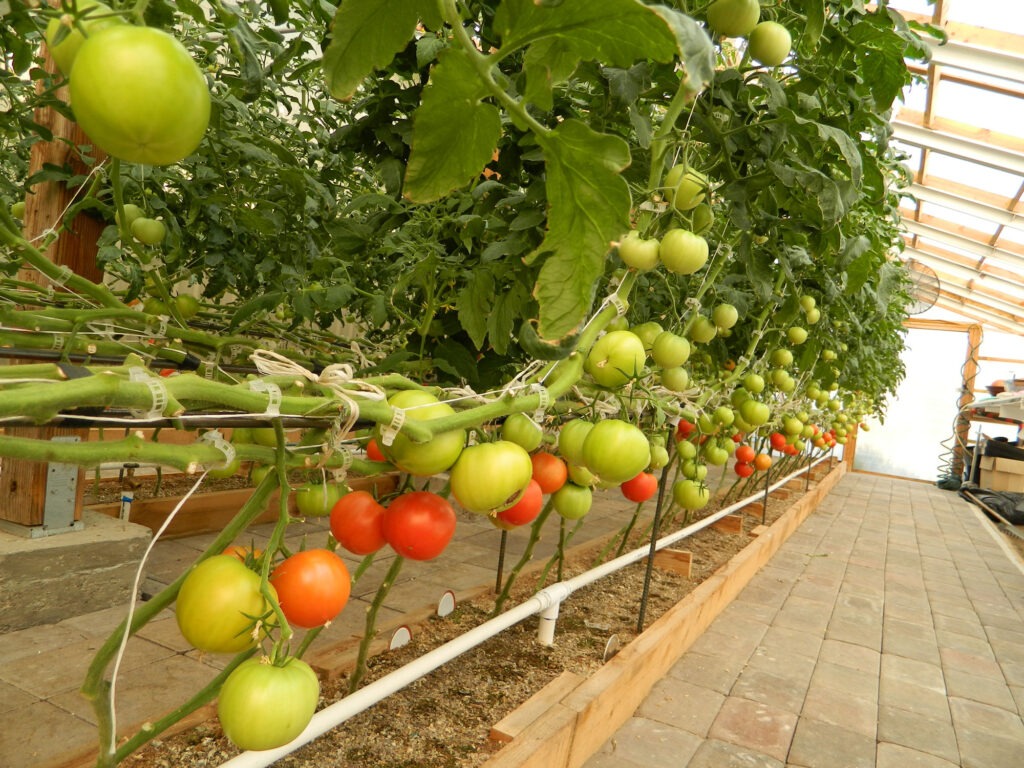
(888, 632)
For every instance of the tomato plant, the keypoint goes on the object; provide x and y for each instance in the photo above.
(523, 431)
(312, 587)
(691, 494)
(357, 523)
(266, 705)
(419, 524)
(139, 95)
(490, 477)
(638, 253)
(770, 43)
(219, 604)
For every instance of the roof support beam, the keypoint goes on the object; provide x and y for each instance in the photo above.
(947, 144)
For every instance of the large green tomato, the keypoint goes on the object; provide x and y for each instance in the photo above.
(616, 451)
(638, 253)
(670, 350)
(215, 605)
(318, 499)
(491, 477)
(770, 43)
(683, 252)
(725, 316)
(95, 16)
(137, 93)
(433, 456)
(734, 18)
(755, 413)
(675, 379)
(263, 706)
(685, 187)
(616, 358)
(572, 501)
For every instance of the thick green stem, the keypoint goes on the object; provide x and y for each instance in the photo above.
(95, 687)
(370, 631)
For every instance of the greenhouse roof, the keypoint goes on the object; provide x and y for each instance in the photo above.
(961, 127)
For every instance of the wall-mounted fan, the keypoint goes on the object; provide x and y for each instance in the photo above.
(924, 287)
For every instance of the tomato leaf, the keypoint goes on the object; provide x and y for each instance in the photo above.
(454, 132)
(474, 304)
(365, 36)
(693, 44)
(588, 208)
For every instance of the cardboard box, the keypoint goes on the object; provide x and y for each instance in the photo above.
(999, 474)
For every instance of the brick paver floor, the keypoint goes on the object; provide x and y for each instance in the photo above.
(888, 632)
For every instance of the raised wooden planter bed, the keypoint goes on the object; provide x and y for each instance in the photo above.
(566, 727)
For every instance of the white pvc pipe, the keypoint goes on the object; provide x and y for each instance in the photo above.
(547, 601)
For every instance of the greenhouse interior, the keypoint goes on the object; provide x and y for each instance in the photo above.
(512, 384)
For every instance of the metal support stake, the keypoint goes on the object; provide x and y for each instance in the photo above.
(499, 579)
(655, 533)
(764, 506)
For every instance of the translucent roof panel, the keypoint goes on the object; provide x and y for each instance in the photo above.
(962, 129)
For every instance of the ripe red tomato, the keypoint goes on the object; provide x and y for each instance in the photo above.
(640, 488)
(684, 429)
(490, 477)
(137, 93)
(312, 587)
(744, 469)
(523, 511)
(216, 604)
(373, 451)
(263, 706)
(778, 441)
(357, 522)
(745, 453)
(549, 471)
(418, 525)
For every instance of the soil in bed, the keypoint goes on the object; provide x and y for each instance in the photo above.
(444, 719)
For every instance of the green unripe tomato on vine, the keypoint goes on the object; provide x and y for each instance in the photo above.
(670, 350)
(64, 45)
(703, 330)
(187, 306)
(782, 358)
(807, 303)
(148, 231)
(770, 43)
(796, 335)
(523, 431)
(638, 253)
(753, 382)
(18, 209)
(683, 252)
(648, 332)
(675, 379)
(131, 213)
(813, 316)
(685, 187)
(734, 18)
(725, 316)
(616, 358)
(619, 323)
(691, 494)
(702, 219)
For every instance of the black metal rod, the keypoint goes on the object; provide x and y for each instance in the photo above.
(655, 533)
(764, 506)
(500, 577)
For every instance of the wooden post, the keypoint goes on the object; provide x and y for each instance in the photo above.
(963, 421)
(22, 483)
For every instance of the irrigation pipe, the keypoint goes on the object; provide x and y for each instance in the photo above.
(546, 602)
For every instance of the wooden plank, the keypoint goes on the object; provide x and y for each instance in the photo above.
(23, 483)
(516, 721)
(755, 509)
(757, 530)
(676, 561)
(545, 743)
(732, 524)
